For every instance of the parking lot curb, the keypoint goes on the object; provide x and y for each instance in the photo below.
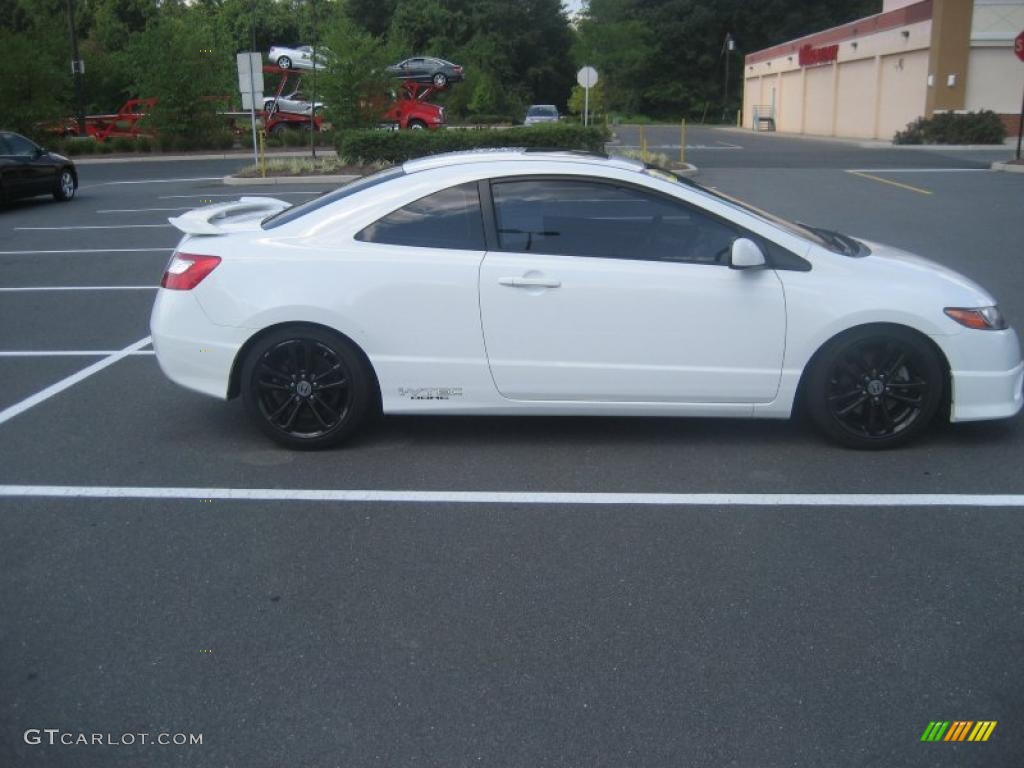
(235, 181)
(79, 160)
(1008, 167)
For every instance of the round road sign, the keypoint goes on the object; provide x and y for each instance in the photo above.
(587, 77)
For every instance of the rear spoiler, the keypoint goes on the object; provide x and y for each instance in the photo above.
(243, 214)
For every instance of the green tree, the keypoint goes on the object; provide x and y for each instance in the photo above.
(354, 86)
(31, 95)
(185, 61)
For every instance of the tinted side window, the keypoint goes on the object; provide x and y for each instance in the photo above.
(583, 218)
(3, 146)
(19, 145)
(450, 218)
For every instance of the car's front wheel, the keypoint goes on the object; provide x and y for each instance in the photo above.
(306, 387)
(875, 387)
(417, 125)
(284, 62)
(64, 186)
(440, 79)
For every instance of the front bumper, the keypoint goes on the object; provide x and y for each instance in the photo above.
(986, 373)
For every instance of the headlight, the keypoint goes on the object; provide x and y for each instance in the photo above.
(979, 318)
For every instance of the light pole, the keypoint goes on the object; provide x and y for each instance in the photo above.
(76, 69)
(727, 45)
(312, 105)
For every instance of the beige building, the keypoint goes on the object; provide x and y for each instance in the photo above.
(869, 78)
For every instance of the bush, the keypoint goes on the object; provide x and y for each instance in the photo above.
(399, 146)
(122, 144)
(983, 127)
(74, 146)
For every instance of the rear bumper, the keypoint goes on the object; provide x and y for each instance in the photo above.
(193, 351)
(986, 373)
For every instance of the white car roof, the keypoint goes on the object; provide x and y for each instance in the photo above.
(521, 154)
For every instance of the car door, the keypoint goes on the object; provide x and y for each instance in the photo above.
(607, 292)
(35, 170)
(414, 68)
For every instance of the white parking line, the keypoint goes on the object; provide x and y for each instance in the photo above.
(86, 250)
(10, 412)
(95, 226)
(239, 193)
(82, 288)
(509, 497)
(71, 353)
(156, 181)
(921, 170)
(142, 210)
(676, 146)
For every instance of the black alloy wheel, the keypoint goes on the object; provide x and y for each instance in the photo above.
(306, 387)
(876, 388)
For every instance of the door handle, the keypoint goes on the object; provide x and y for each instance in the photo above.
(529, 282)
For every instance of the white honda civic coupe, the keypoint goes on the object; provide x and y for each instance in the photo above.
(543, 283)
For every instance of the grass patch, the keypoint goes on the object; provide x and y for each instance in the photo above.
(307, 166)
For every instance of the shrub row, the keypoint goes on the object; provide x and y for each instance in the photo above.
(983, 127)
(398, 146)
(72, 146)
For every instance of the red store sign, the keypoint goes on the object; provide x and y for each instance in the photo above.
(824, 55)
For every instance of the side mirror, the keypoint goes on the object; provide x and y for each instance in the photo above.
(746, 254)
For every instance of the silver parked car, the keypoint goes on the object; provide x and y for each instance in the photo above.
(295, 103)
(297, 58)
(541, 113)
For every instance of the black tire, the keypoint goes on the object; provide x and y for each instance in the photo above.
(875, 387)
(306, 387)
(64, 185)
(272, 107)
(284, 62)
(417, 125)
(279, 129)
(440, 79)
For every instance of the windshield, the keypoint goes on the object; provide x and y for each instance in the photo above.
(298, 211)
(832, 241)
(542, 111)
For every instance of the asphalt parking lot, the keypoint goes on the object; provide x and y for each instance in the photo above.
(458, 594)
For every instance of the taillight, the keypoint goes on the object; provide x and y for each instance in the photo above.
(186, 270)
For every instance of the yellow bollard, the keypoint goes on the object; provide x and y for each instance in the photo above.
(682, 141)
(263, 155)
(739, 118)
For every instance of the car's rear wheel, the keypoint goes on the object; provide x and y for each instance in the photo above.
(306, 387)
(875, 387)
(440, 79)
(284, 62)
(417, 125)
(279, 129)
(64, 186)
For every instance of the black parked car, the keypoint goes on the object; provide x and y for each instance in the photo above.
(26, 170)
(423, 69)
